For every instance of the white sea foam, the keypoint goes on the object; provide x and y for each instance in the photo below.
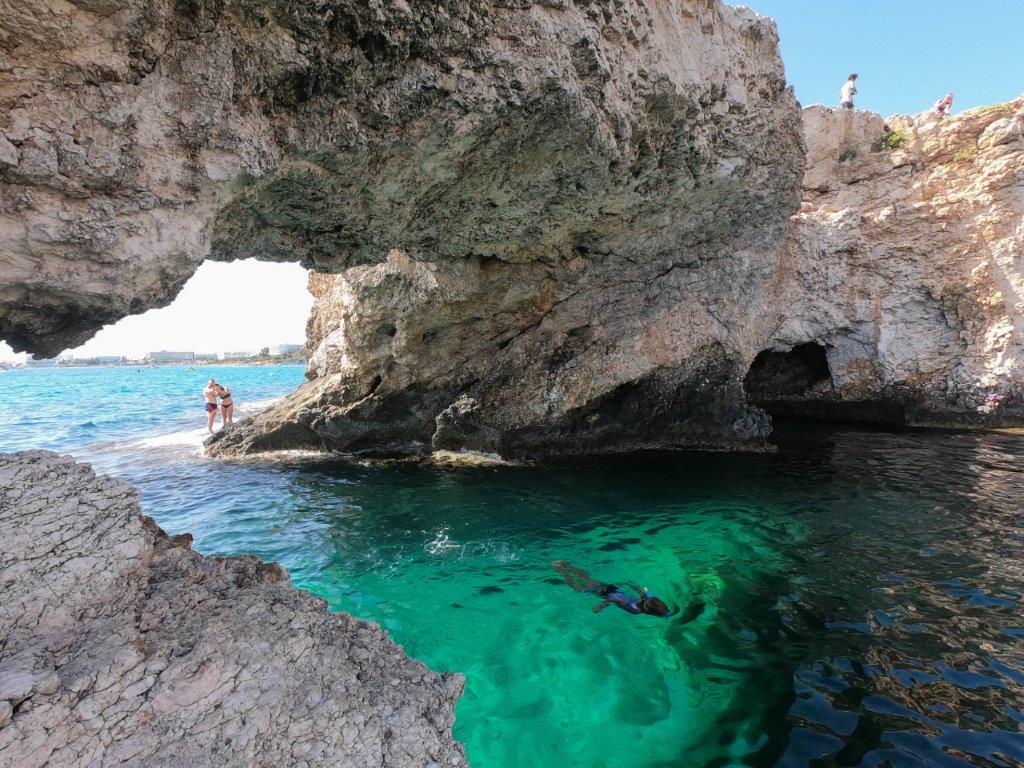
(289, 456)
(442, 543)
(255, 406)
(192, 437)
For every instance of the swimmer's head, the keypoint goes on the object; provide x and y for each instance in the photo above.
(654, 607)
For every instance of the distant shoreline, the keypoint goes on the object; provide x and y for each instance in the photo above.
(224, 364)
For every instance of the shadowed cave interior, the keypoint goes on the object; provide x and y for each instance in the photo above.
(797, 385)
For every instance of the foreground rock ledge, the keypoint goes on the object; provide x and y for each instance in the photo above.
(121, 646)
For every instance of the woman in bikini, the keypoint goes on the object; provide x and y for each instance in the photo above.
(227, 405)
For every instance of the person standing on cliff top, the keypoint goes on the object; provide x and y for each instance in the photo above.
(944, 105)
(848, 91)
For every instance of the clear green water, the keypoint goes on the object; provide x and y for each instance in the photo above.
(457, 566)
(862, 590)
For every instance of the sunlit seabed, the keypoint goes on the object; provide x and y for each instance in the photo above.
(862, 590)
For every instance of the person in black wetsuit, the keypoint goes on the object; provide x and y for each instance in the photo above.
(611, 594)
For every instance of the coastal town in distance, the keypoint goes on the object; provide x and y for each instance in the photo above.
(277, 353)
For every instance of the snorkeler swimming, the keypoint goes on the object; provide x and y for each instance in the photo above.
(611, 594)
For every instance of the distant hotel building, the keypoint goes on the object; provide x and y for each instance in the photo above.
(164, 356)
(279, 350)
(236, 355)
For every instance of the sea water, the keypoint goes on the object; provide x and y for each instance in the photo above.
(851, 599)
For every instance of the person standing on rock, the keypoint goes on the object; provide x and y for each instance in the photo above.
(944, 106)
(210, 393)
(848, 91)
(227, 405)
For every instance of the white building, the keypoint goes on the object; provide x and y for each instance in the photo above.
(236, 355)
(279, 350)
(165, 356)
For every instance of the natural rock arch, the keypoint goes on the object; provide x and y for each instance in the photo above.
(575, 218)
(138, 138)
(526, 192)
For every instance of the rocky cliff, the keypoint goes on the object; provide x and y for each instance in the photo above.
(121, 646)
(534, 226)
(139, 137)
(898, 299)
(902, 292)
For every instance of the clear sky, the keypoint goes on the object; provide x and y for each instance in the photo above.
(907, 53)
(237, 307)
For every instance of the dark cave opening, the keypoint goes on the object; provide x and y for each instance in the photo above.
(797, 386)
(779, 375)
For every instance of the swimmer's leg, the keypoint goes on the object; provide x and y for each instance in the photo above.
(577, 578)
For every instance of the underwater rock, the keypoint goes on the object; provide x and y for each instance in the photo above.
(122, 646)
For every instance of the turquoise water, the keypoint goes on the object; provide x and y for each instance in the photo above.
(861, 591)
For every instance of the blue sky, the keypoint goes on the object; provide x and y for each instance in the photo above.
(908, 53)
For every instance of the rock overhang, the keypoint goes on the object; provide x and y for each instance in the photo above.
(154, 134)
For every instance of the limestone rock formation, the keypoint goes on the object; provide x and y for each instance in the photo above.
(536, 226)
(898, 299)
(906, 270)
(121, 646)
(137, 137)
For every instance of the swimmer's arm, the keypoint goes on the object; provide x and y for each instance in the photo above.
(601, 606)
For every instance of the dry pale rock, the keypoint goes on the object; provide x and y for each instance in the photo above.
(906, 265)
(123, 647)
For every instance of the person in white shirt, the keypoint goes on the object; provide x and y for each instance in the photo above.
(944, 105)
(846, 93)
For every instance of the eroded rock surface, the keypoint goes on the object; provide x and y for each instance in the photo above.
(906, 266)
(540, 226)
(136, 137)
(898, 299)
(123, 647)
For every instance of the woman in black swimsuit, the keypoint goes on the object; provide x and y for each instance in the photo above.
(227, 404)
